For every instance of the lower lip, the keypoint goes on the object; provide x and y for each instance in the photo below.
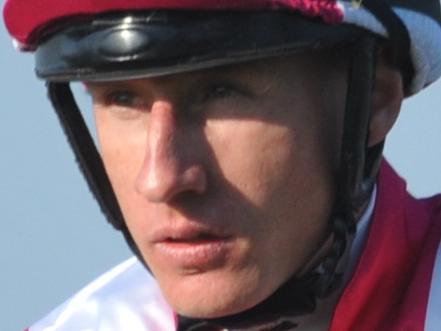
(196, 255)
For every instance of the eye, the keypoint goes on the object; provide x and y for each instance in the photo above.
(218, 91)
(125, 99)
(124, 102)
(220, 95)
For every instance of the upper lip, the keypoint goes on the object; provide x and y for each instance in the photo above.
(187, 232)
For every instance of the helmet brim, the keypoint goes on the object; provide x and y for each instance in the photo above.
(115, 47)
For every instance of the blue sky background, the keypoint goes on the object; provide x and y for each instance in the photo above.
(54, 240)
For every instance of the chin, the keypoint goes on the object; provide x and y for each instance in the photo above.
(213, 294)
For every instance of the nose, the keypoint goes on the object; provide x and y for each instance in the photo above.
(169, 166)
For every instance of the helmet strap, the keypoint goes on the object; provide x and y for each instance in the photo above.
(88, 157)
(358, 164)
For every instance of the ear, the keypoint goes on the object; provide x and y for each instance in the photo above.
(386, 101)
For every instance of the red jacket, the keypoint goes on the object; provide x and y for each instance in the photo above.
(396, 285)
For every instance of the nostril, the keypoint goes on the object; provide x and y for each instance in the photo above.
(195, 179)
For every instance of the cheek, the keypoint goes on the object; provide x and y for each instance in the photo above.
(250, 155)
(122, 147)
(273, 163)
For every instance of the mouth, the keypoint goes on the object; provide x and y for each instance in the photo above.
(197, 238)
(192, 248)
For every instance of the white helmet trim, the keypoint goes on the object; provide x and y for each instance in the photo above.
(425, 35)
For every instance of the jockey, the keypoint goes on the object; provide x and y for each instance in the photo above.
(240, 154)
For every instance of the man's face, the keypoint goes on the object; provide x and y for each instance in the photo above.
(225, 176)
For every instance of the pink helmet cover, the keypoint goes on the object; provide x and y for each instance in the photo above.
(24, 17)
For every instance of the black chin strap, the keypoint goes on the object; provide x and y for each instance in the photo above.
(356, 175)
(88, 157)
